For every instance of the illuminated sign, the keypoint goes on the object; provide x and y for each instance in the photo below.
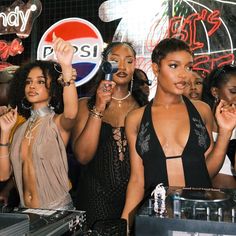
(206, 25)
(10, 48)
(19, 17)
(86, 40)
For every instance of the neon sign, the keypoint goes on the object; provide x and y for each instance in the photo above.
(205, 25)
(19, 17)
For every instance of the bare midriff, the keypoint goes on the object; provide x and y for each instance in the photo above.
(175, 171)
(31, 197)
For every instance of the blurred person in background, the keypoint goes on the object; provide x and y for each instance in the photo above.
(221, 85)
(8, 193)
(143, 80)
(195, 86)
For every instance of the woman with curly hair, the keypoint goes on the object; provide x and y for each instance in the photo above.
(37, 153)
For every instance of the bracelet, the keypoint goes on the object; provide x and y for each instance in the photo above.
(95, 116)
(65, 83)
(95, 113)
(4, 156)
(4, 144)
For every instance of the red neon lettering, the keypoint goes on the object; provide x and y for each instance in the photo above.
(206, 63)
(186, 28)
(214, 20)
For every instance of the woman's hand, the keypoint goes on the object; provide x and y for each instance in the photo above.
(3, 110)
(104, 94)
(8, 120)
(64, 51)
(226, 115)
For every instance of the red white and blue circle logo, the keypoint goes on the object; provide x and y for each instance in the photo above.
(85, 38)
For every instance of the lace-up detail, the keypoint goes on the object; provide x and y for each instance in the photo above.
(121, 142)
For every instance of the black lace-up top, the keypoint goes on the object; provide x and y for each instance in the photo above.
(103, 183)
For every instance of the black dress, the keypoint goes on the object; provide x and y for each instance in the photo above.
(103, 182)
(154, 160)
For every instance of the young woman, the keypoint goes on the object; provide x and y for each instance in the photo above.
(37, 153)
(99, 139)
(170, 139)
(221, 84)
(194, 88)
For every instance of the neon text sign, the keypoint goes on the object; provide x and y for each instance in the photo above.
(19, 17)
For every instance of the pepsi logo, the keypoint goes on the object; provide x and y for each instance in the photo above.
(86, 40)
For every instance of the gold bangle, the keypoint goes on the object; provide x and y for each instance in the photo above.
(94, 112)
(64, 83)
(95, 115)
(4, 156)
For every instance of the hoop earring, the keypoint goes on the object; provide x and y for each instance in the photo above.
(216, 101)
(51, 106)
(24, 104)
(131, 85)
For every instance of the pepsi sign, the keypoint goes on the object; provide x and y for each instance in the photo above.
(86, 40)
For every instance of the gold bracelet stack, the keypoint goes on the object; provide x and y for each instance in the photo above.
(95, 113)
(64, 83)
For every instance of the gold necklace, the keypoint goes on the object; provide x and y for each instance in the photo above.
(121, 99)
(31, 127)
(167, 106)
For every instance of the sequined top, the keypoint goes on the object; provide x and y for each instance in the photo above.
(103, 182)
(154, 160)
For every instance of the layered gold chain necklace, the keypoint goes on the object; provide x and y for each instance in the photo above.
(35, 120)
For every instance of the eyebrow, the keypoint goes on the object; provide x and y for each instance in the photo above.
(114, 54)
(178, 61)
(38, 77)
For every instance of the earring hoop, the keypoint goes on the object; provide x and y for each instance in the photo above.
(131, 85)
(24, 104)
(216, 101)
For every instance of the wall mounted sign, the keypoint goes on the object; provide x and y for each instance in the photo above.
(85, 38)
(10, 48)
(19, 17)
(208, 26)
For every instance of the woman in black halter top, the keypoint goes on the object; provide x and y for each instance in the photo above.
(170, 139)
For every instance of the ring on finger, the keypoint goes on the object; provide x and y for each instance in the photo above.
(107, 87)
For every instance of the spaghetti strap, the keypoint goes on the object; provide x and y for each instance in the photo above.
(172, 157)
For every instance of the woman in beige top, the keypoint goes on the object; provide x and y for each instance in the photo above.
(37, 153)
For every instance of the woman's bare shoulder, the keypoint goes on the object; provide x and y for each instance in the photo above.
(203, 109)
(136, 112)
(134, 117)
(201, 106)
